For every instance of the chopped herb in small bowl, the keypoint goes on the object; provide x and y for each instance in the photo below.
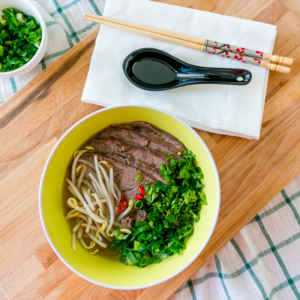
(23, 37)
(20, 38)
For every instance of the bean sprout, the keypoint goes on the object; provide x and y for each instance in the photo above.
(97, 242)
(76, 227)
(88, 198)
(77, 155)
(110, 203)
(94, 193)
(83, 161)
(83, 170)
(73, 241)
(89, 223)
(89, 185)
(111, 178)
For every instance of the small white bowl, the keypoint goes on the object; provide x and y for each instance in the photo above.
(28, 8)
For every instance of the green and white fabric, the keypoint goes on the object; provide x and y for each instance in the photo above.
(262, 261)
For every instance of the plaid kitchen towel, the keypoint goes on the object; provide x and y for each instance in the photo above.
(262, 261)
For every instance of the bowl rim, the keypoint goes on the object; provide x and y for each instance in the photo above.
(29, 64)
(145, 285)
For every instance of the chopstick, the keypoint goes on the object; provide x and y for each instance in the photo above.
(187, 41)
(200, 41)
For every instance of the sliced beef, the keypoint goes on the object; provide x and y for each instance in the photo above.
(127, 222)
(125, 175)
(131, 151)
(150, 130)
(146, 169)
(138, 165)
(117, 157)
(118, 131)
(141, 215)
(128, 134)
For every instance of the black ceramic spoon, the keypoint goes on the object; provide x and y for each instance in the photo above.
(156, 70)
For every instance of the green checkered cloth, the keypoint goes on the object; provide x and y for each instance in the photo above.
(262, 261)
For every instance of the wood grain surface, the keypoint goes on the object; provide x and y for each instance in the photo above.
(31, 122)
(293, 5)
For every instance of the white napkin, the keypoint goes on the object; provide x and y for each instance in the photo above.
(232, 110)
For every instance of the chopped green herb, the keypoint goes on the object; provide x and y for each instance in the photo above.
(139, 176)
(148, 182)
(20, 38)
(138, 204)
(169, 156)
(172, 210)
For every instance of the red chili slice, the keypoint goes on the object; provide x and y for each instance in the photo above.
(141, 190)
(138, 196)
(122, 205)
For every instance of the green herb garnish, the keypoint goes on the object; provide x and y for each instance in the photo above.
(138, 204)
(20, 38)
(139, 176)
(169, 156)
(172, 210)
(148, 182)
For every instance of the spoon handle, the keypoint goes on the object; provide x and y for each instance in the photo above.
(216, 75)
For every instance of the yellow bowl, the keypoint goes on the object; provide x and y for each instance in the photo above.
(109, 272)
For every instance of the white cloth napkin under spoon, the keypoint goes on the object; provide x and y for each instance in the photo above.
(224, 109)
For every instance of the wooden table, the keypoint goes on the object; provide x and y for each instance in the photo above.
(293, 5)
(31, 122)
